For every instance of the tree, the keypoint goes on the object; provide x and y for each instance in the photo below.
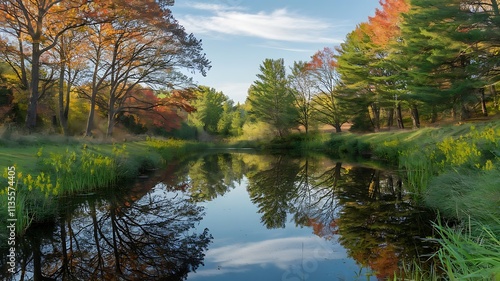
(39, 24)
(151, 111)
(271, 99)
(209, 106)
(354, 58)
(131, 51)
(68, 56)
(443, 61)
(326, 81)
(302, 88)
(224, 124)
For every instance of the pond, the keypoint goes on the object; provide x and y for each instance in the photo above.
(235, 216)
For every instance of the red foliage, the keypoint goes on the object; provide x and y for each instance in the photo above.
(167, 112)
(320, 58)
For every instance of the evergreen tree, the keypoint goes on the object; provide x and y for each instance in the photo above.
(271, 99)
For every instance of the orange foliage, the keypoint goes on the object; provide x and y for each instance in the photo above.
(384, 26)
(167, 112)
(321, 230)
(384, 261)
(325, 57)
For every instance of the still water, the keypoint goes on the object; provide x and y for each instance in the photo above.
(235, 216)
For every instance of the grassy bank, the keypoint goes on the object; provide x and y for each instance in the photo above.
(47, 170)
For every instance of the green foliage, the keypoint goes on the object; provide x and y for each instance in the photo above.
(209, 109)
(271, 99)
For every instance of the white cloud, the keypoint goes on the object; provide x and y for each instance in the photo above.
(280, 24)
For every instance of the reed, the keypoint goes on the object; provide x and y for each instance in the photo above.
(468, 254)
(419, 169)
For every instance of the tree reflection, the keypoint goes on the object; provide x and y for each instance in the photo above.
(115, 239)
(213, 175)
(272, 190)
(365, 209)
(379, 226)
(147, 234)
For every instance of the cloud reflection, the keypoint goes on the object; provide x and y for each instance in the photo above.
(281, 253)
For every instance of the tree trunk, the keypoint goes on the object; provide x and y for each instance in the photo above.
(35, 79)
(399, 116)
(415, 116)
(434, 114)
(390, 117)
(111, 122)
(493, 93)
(338, 127)
(483, 102)
(464, 113)
(63, 117)
(93, 96)
(90, 119)
(376, 115)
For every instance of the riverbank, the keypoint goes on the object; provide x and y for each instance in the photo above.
(41, 171)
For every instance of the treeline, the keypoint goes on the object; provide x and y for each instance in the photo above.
(414, 61)
(82, 67)
(78, 65)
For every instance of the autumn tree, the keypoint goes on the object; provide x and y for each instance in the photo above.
(70, 63)
(131, 51)
(326, 82)
(35, 27)
(271, 99)
(368, 76)
(156, 111)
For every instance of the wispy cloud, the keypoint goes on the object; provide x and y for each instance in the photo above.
(280, 24)
(282, 253)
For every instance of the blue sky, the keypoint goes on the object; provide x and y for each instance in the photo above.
(238, 35)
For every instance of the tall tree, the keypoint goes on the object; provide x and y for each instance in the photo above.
(442, 66)
(271, 99)
(134, 51)
(326, 81)
(354, 59)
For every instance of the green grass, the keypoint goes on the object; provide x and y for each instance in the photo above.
(470, 255)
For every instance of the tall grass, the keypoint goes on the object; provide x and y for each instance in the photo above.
(79, 172)
(470, 255)
(419, 169)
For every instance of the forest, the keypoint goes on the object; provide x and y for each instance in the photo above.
(126, 65)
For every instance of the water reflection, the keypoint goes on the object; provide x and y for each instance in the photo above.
(156, 231)
(142, 235)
